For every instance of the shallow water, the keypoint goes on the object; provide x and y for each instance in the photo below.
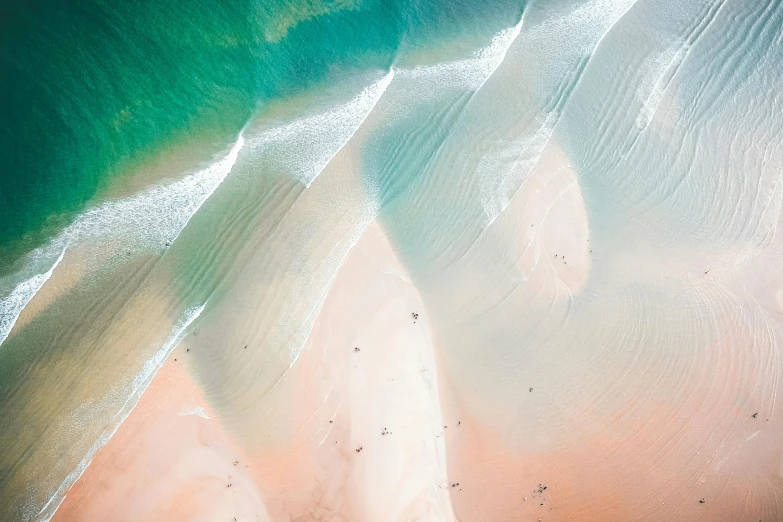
(423, 261)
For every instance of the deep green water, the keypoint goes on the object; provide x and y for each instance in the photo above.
(92, 93)
(646, 126)
(92, 90)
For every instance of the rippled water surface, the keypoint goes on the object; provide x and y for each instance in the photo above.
(380, 261)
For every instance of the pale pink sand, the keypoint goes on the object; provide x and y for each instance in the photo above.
(633, 430)
(381, 400)
(549, 210)
(633, 441)
(166, 462)
(657, 473)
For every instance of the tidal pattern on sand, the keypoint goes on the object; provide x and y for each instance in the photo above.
(528, 271)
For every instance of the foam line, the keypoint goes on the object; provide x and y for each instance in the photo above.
(308, 145)
(496, 52)
(12, 305)
(139, 385)
(471, 73)
(148, 220)
(503, 173)
(158, 214)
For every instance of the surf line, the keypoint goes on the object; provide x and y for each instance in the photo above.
(139, 385)
(498, 48)
(188, 194)
(320, 136)
(12, 305)
(373, 93)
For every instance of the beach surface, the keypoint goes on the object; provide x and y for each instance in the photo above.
(170, 460)
(355, 424)
(395, 262)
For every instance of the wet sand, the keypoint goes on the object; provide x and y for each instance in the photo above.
(594, 352)
(170, 460)
(367, 441)
(365, 381)
(383, 418)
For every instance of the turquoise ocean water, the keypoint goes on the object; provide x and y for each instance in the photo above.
(172, 166)
(104, 87)
(101, 101)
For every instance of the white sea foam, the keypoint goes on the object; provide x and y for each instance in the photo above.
(136, 389)
(467, 74)
(470, 73)
(307, 145)
(12, 305)
(575, 34)
(324, 135)
(145, 221)
(156, 215)
(585, 24)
